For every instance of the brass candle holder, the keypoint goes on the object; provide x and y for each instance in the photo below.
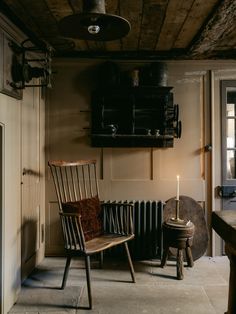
(176, 219)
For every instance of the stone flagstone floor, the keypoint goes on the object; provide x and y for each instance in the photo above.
(204, 289)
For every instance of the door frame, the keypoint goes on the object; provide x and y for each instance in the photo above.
(1, 217)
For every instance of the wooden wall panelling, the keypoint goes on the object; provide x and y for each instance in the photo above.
(186, 158)
(137, 173)
(54, 239)
(131, 164)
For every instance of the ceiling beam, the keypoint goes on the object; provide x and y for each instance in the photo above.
(220, 23)
(177, 54)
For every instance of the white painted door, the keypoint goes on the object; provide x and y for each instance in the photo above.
(30, 236)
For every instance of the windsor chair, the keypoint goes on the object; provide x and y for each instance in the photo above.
(88, 225)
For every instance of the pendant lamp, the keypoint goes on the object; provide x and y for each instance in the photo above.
(94, 23)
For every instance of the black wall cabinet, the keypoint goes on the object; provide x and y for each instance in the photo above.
(139, 116)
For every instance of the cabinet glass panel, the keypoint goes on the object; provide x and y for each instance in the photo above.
(231, 164)
(229, 131)
(230, 109)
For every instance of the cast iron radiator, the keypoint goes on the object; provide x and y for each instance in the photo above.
(147, 217)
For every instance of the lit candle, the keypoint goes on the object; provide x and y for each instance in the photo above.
(177, 193)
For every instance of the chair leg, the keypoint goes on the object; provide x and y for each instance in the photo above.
(131, 267)
(66, 271)
(87, 265)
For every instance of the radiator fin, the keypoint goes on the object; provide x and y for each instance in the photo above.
(148, 217)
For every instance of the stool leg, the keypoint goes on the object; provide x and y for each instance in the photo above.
(164, 256)
(180, 267)
(189, 256)
(101, 260)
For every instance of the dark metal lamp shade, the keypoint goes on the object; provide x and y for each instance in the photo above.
(94, 23)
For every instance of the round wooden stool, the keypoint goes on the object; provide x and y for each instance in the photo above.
(189, 209)
(179, 236)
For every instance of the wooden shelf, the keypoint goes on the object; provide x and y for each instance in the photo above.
(133, 111)
(158, 137)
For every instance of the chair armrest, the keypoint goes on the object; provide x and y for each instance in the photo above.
(72, 231)
(118, 218)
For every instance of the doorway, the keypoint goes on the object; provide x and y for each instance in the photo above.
(228, 144)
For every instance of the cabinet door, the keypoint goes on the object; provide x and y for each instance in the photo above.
(31, 180)
(113, 109)
(150, 110)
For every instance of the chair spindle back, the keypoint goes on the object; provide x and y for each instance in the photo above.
(75, 180)
(73, 237)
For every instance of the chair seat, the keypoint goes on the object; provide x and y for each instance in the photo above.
(104, 242)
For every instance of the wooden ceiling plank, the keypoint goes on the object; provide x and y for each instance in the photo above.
(45, 21)
(62, 8)
(42, 16)
(112, 7)
(198, 13)
(165, 25)
(76, 6)
(59, 8)
(23, 15)
(215, 30)
(176, 14)
(153, 15)
(132, 11)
